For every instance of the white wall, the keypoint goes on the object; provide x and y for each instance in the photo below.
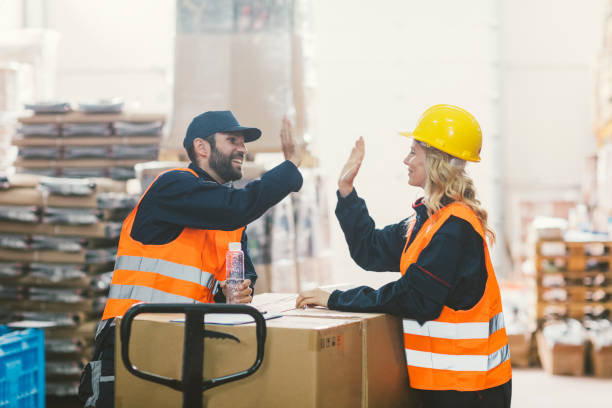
(549, 51)
(379, 66)
(115, 48)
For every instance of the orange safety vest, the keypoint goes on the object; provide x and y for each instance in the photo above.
(461, 350)
(182, 271)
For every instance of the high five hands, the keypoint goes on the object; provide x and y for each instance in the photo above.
(293, 147)
(351, 168)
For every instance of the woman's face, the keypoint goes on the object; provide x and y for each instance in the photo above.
(417, 176)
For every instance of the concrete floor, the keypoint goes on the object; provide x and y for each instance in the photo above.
(534, 388)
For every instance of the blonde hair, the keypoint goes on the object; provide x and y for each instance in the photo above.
(446, 182)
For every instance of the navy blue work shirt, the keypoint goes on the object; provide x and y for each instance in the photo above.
(450, 271)
(177, 200)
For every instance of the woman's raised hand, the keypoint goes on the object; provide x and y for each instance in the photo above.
(351, 168)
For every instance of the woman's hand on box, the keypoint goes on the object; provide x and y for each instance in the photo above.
(315, 297)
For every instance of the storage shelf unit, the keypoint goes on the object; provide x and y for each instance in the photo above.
(574, 279)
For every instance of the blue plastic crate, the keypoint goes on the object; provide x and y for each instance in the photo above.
(22, 368)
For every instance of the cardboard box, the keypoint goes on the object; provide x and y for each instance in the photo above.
(561, 359)
(308, 362)
(601, 361)
(520, 349)
(384, 376)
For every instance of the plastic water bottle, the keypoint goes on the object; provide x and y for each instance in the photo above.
(234, 270)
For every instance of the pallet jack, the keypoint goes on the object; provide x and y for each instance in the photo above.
(192, 384)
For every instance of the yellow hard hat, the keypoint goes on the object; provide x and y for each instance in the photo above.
(450, 129)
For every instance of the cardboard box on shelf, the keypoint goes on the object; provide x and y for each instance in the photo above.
(601, 361)
(520, 349)
(561, 359)
(308, 362)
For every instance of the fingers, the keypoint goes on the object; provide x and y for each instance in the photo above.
(245, 283)
(301, 297)
(244, 296)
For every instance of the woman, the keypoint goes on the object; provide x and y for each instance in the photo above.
(448, 296)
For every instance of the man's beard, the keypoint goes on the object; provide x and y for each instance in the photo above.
(222, 165)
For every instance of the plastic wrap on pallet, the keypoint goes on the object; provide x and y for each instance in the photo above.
(44, 152)
(68, 368)
(9, 292)
(62, 244)
(114, 201)
(134, 152)
(122, 173)
(67, 186)
(49, 107)
(82, 172)
(61, 346)
(311, 219)
(56, 295)
(600, 332)
(258, 241)
(25, 213)
(85, 152)
(282, 232)
(57, 272)
(10, 241)
(62, 388)
(44, 172)
(86, 129)
(570, 331)
(101, 255)
(11, 269)
(102, 282)
(59, 319)
(122, 128)
(50, 130)
(112, 105)
(70, 216)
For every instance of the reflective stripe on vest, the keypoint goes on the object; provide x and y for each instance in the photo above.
(455, 331)
(462, 350)
(453, 362)
(146, 294)
(166, 268)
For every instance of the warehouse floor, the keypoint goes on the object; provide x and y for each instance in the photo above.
(534, 388)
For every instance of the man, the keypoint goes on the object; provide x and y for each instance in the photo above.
(173, 244)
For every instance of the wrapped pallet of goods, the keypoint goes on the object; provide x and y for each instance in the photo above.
(562, 347)
(82, 144)
(58, 240)
(600, 356)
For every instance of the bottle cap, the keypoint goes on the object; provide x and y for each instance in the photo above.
(235, 246)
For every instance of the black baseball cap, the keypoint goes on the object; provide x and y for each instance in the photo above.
(211, 122)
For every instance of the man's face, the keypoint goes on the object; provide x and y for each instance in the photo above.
(227, 156)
